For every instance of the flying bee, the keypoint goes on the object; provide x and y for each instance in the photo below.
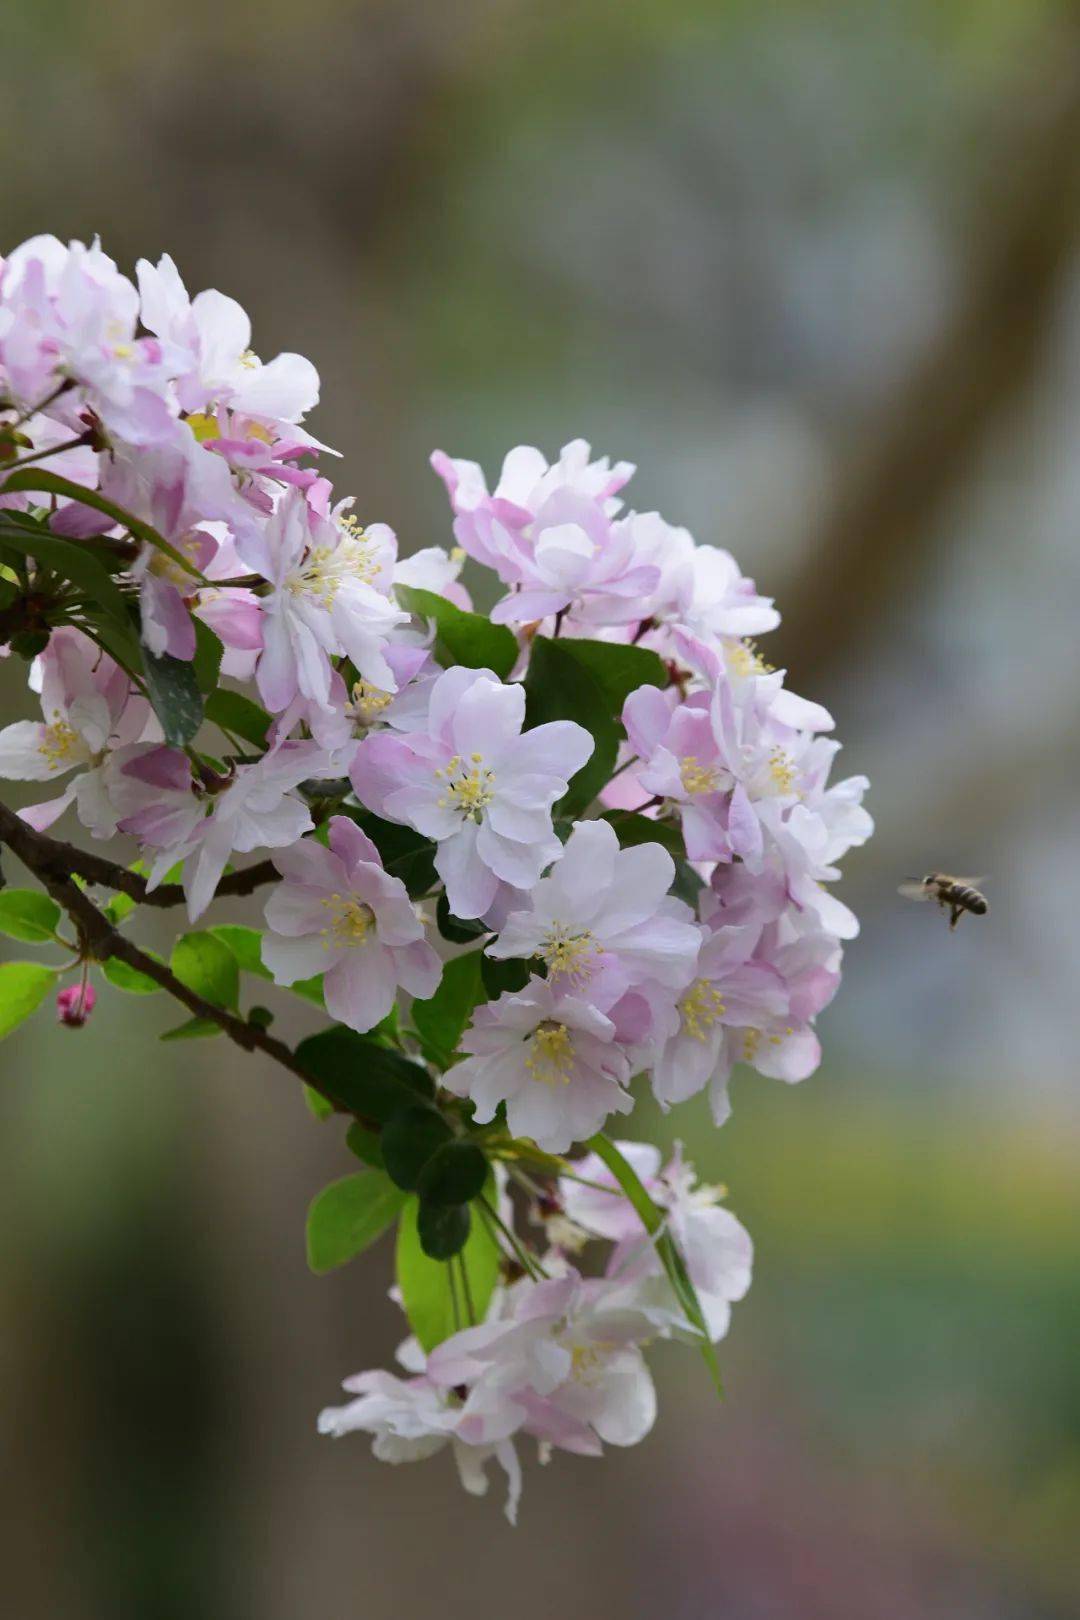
(954, 894)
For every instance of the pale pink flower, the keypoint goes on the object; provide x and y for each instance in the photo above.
(340, 914)
(552, 1059)
(475, 783)
(714, 1245)
(602, 920)
(89, 708)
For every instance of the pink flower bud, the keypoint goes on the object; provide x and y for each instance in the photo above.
(75, 1004)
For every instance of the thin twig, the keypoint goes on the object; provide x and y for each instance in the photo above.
(98, 939)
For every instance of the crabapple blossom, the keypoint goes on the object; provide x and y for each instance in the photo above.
(715, 1246)
(552, 1059)
(174, 504)
(201, 819)
(602, 922)
(413, 1418)
(89, 710)
(339, 913)
(324, 571)
(475, 783)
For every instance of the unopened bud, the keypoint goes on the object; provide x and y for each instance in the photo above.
(75, 1004)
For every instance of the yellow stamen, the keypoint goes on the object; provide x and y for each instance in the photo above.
(59, 742)
(551, 1054)
(565, 952)
(369, 701)
(701, 1008)
(782, 770)
(470, 791)
(697, 778)
(744, 659)
(351, 922)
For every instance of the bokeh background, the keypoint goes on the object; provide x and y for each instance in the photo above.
(817, 270)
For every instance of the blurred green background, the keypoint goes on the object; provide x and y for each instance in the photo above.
(816, 269)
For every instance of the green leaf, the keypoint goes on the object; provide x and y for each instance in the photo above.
(425, 1283)
(632, 829)
(406, 854)
(560, 686)
(502, 974)
(455, 1174)
(208, 654)
(71, 561)
(409, 1140)
(320, 1106)
(246, 945)
(463, 638)
(363, 1076)
(123, 977)
(194, 1029)
(239, 715)
(207, 966)
(440, 1021)
(365, 1144)
(347, 1217)
(652, 1218)
(619, 669)
(23, 987)
(443, 1229)
(174, 693)
(39, 481)
(29, 915)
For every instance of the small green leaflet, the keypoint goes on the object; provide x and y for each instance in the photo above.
(174, 693)
(39, 481)
(29, 915)
(425, 1284)
(123, 977)
(440, 1022)
(463, 638)
(23, 987)
(207, 966)
(349, 1215)
(562, 687)
(238, 715)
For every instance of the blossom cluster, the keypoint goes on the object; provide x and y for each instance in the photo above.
(622, 814)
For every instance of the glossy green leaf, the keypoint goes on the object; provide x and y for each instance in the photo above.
(319, 1105)
(463, 638)
(458, 930)
(425, 1283)
(443, 1229)
(23, 987)
(408, 1141)
(71, 561)
(619, 669)
(455, 1174)
(406, 854)
(123, 977)
(365, 1144)
(364, 1077)
(194, 1029)
(29, 915)
(652, 1218)
(207, 966)
(559, 686)
(503, 974)
(441, 1021)
(238, 715)
(208, 655)
(346, 1217)
(174, 693)
(38, 481)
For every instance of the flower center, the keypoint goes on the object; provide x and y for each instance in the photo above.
(701, 1008)
(698, 778)
(351, 922)
(469, 789)
(781, 770)
(551, 1054)
(59, 743)
(744, 659)
(587, 1359)
(326, 569)
(567, 952)
(369, 701)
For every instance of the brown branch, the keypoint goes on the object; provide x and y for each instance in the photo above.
(50, 861)
(59, 860)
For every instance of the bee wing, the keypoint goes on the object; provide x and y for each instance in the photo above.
(914, 891)
(971, 883)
